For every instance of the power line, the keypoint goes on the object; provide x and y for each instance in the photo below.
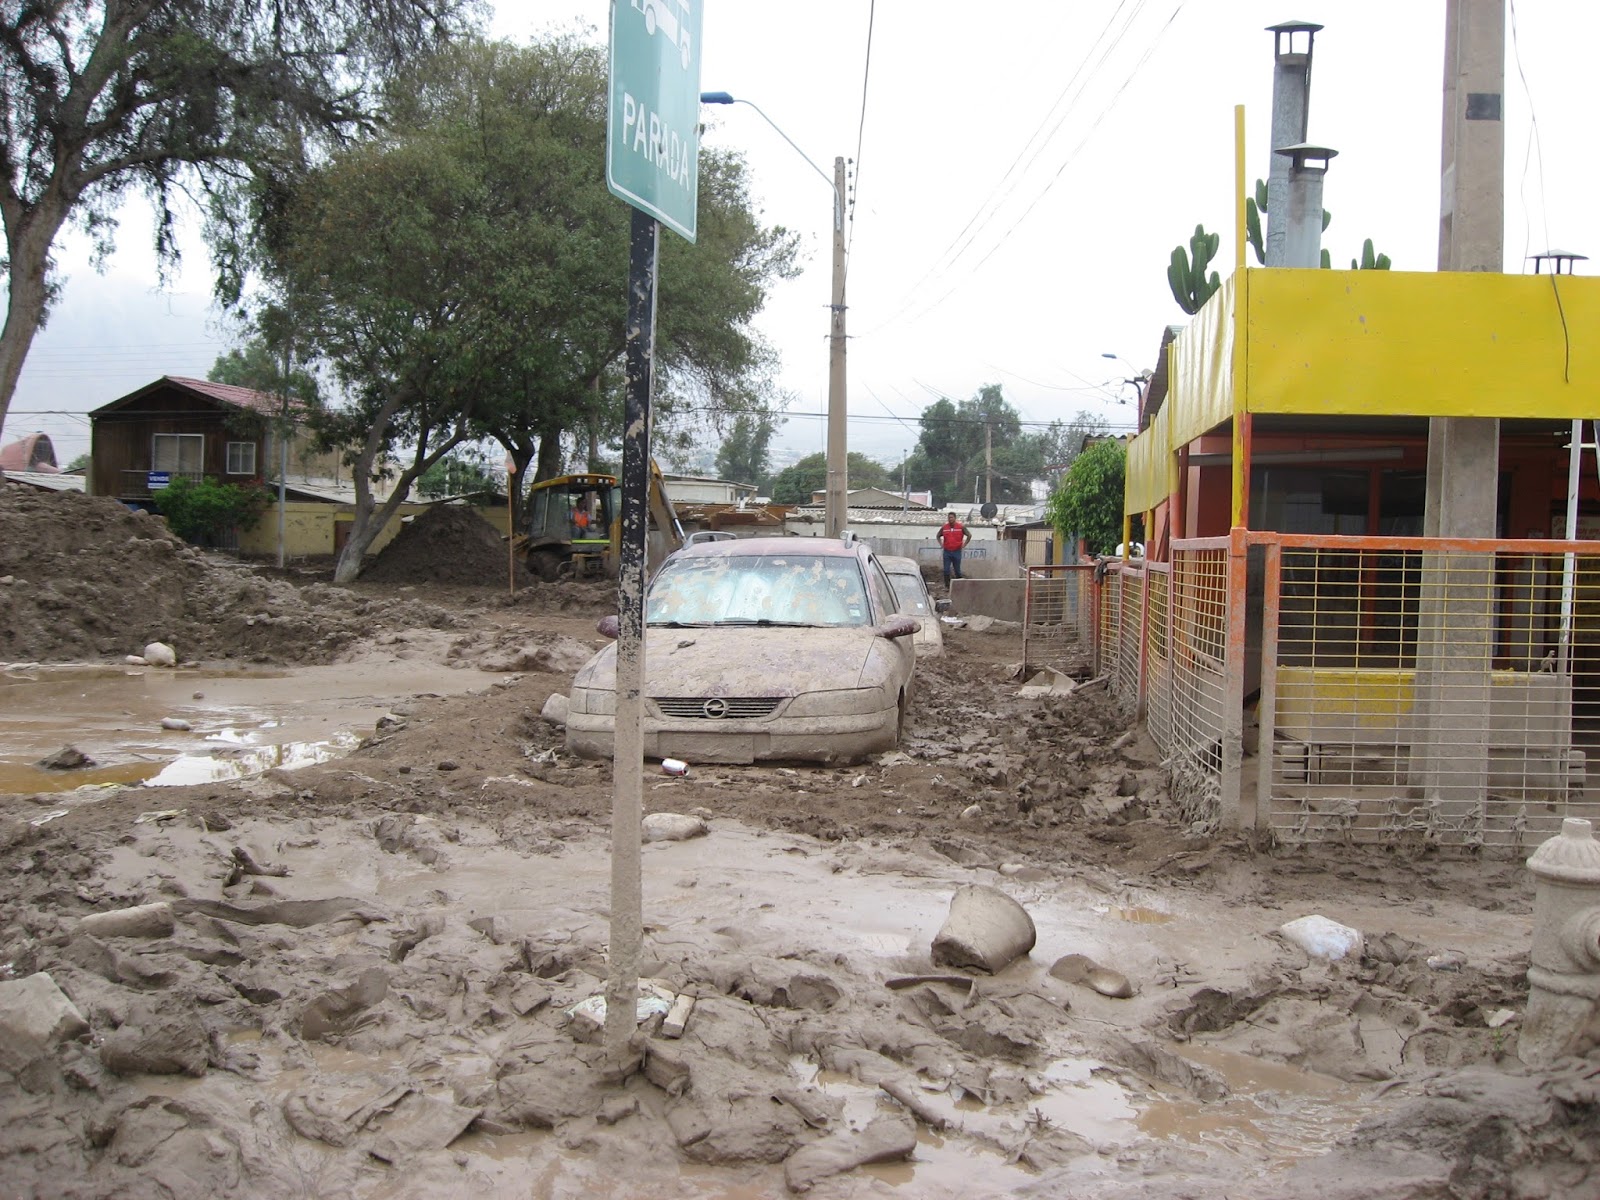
(861, 129)
(990, 203)
(1060, 170)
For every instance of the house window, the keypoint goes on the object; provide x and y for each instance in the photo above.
(241, 458)
(179, 453)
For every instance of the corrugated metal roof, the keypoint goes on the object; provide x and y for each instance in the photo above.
(47, 482)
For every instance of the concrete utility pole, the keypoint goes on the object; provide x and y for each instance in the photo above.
(988, 462)
(1455, 621)
(835, 500)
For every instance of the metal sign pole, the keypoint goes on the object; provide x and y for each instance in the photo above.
(627, 772)
(511, 525)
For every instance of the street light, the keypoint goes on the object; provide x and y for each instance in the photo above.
(1141, 375)
(838, 473)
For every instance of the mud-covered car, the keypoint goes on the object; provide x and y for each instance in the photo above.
(761, 649)
(911, 589)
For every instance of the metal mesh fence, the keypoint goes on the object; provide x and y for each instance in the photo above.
(1198, 664)
(1108, 618)
(1428, 692)
(1124, 666)
(1158, 654)
(1057, 615)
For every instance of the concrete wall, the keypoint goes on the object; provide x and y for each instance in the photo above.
(988, 559)
(1001, 599)
(309, 529)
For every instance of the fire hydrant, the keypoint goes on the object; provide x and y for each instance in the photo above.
(1564, 972)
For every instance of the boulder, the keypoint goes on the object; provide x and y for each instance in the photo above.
(160, 654)
(672, 827)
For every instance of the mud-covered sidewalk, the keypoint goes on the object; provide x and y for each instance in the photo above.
(360, 977)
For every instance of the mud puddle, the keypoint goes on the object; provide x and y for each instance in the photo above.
(240, 722)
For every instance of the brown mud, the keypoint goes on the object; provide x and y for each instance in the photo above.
(367, 985)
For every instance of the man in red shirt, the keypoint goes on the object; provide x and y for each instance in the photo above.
(953, 536)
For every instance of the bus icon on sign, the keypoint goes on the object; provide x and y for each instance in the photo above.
(662, 16)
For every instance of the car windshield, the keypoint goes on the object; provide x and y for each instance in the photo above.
(759, 589)
(910, 591)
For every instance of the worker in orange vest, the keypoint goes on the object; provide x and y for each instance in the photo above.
(953, 537)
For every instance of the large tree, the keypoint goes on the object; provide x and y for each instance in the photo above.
(105, 95)
(745, 455)
(465, 273)
(796, 484)
(1088, 501)
(959, 440)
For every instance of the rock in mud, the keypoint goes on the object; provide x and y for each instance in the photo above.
(986, 930)
(176, 724)
(1321, 938)
(673, 827)
(157, 1041)
(547, 1093)
(554, 711)
(68, 758)
(885, 1139)
(35, 1016)
(143, 921)
(160, 654)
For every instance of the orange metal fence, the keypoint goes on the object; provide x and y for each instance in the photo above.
(1385, 690)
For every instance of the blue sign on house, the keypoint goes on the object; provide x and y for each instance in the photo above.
(156, 480)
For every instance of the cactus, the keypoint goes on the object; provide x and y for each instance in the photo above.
(1369, 261)
(1187, 277)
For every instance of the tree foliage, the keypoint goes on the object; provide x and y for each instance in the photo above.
(465, 273)
(950, 456)
(255, 365)
(457, 474)
(796, 484)
(745, 455)
(1088, 502)
(105, 95)
(205, 512)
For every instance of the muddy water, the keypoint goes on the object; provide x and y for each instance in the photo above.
(874, 916)
(242, 722)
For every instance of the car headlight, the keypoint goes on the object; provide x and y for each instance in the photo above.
(600, 702)
(843, 702)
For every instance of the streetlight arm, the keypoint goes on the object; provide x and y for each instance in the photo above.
(728, 98)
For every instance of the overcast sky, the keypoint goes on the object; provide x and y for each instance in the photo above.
(1022, 172)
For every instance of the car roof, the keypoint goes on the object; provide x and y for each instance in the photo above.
(818, 546)
(897, 564)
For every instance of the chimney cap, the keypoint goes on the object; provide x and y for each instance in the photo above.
(1295, 27)
(1301, 152)
(1555, 258)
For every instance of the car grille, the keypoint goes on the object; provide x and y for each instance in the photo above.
(718, 707)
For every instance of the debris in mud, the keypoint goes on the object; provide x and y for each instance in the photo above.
(1080, 968)
(68, 758)
(141, 921)
(35, 1017)
(672, 827)
(985, 930)
(159, 654)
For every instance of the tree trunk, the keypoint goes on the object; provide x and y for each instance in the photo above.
(26, 293)
(370, 519)
(549, 455)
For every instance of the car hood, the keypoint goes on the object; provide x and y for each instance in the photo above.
(743, 661)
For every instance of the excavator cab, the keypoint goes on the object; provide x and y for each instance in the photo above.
(574, 526)
(569, 525)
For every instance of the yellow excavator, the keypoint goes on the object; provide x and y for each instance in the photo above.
(573, 528)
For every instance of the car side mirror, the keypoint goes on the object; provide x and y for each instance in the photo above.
(607, 626)
(897, 627)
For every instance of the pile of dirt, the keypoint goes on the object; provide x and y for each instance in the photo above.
(85, 577)
(449, 544)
